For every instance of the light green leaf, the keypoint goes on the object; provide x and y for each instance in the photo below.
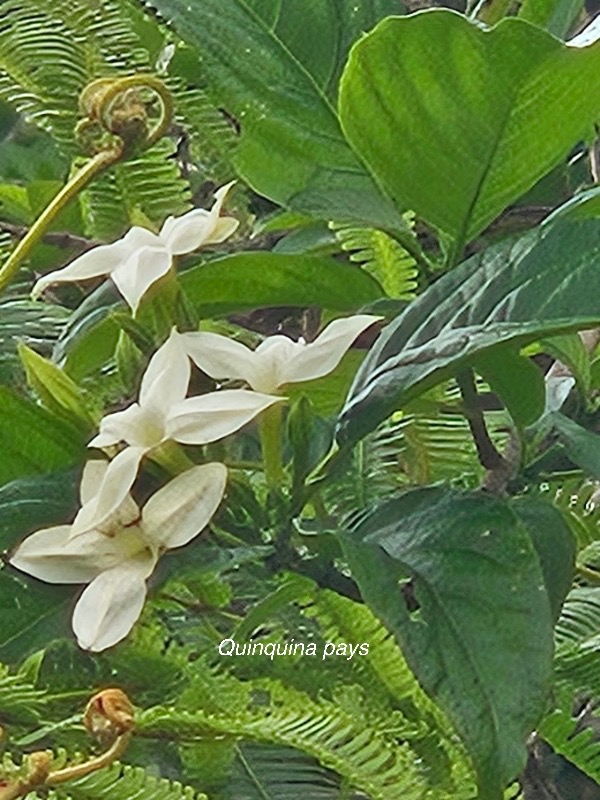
(55, 388)
(456, 122)
(519, 291)
(33, 441)
(275, 67)
(255, 280)
(456, 578)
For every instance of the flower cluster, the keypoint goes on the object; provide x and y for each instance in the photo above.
(141, 257)
(112, 545)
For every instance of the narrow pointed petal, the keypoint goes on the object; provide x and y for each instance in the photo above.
(45, 556)
(223, 229)
(183, 508)
(324, 354)
(91, 478)
(219, 356)
(112, 492)
(110, 606)
(189, 232)
(98, 261)
(135, 275)
(204, 419)
(128, 426)
(91, 481)
(167, 376)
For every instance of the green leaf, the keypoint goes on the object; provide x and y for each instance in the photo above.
(55, 388)
(571, 350)
(582, 446)
(482, 125)
(457, 580)
(256, 280)
(32, 440)
(557, 16)
(516, 291)
(32, 503)
(554, 543)
(275, 67)
(32, 612)
(517, 381)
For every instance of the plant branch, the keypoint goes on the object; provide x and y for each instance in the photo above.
(489, 457)
(61, 239)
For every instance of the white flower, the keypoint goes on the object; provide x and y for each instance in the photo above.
(141, 257)
(278, 360)
(117, 559)
(160, 415)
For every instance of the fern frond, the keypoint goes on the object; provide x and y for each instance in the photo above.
(438, 448)
(280, 715)
(212, 139)
(573, 497)
(444, 760)
(373, 472)
(20, 701)
(381, 256)
(149, 184)
(120, 782)
(48, 53)
(579, 621)
(581, 748)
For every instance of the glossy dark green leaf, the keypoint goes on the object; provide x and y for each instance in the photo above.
(518, 382)
(456, 578)
(33, 613)
(256, 280)
(29, 504)
(554, 543)
(516, 291)
(275, 67)
(456, 122)
(582, 446)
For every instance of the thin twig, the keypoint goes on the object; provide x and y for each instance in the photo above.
(60, 239)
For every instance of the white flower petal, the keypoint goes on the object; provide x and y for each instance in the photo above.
(91, 478)
(55, 556)
(139, 427)
(273, 357)
(204, 419)
(167, 376)
(138, 237)
(219, 356)
(112, 492)
(109, 607)
(187, 233)
(183, 508)
(46, 556)
(136, 274)
(224, 227)
(97, 261)
(324, 354)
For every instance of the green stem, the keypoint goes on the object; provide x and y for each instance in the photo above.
(172, 458)
(35, 234)
(270, 439)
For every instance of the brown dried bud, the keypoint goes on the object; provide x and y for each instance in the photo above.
(109, 714)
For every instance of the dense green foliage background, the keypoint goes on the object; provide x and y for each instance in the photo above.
(437, 492)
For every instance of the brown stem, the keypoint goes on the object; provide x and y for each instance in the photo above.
(489, 457)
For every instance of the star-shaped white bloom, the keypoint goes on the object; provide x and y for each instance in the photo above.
(141, 257)
(277, 360)
(163, 414)
(117, 559)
